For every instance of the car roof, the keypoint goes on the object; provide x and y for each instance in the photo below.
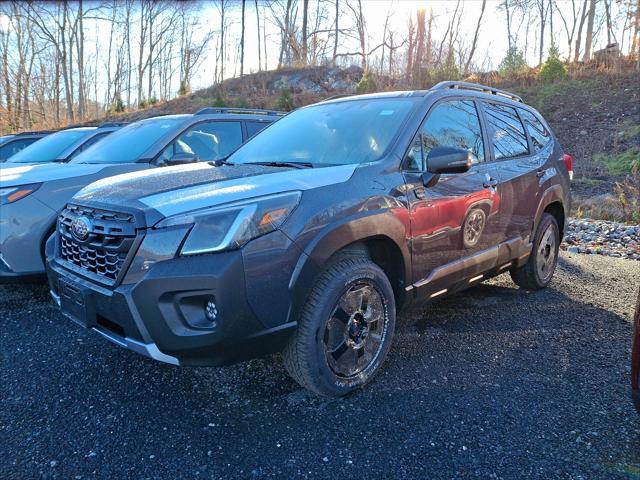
(447, 88)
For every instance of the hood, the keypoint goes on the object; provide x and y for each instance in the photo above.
(174, 190)
(33, 173)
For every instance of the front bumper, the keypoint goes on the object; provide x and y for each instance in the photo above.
(24, 226)
(162, 316)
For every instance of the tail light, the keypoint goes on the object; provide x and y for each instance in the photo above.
(568, 162)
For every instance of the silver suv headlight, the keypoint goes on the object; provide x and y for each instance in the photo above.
(231, 226)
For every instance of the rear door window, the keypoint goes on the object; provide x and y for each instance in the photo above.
(540, 135)
(256, 127)
(453, 124)
(506, 132)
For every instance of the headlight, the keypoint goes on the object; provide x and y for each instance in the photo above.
(13, 194)
(233, 225)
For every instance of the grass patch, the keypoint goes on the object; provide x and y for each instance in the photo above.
(619, 163)
(630, 131)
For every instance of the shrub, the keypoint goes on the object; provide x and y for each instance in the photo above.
(553, 69)
(185, 88)
(117, 106)
(513, 65)
(447, 71)
(285, 101)
(628, 192)
(367, 84)
(219, 101)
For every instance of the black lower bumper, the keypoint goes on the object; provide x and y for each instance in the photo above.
(163, 315)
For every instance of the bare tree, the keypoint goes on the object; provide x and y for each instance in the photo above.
(242, 42)
(475, 38)
(589, 39)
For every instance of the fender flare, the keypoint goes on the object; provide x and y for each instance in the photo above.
(552, 194)
(376, 225)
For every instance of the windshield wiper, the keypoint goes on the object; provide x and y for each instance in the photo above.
(221, 161)
(284, 164)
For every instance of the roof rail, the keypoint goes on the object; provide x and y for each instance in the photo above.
(478, 88)
(249, 111)
(35, 132)
(112, 124)
(340, 95)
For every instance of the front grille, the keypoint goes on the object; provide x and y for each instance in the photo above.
(107, 244)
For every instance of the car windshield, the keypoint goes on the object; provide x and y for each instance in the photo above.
(50, 147)
(130, 142)
(355, 131)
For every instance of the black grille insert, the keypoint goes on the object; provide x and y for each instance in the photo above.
(107, 244)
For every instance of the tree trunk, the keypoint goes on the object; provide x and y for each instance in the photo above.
(589, 40)
(80, 61)
(475, 39)
(305, 45)
(258, 30)
(576, 56)
(284, 33)
(242, 42)
(335, 40)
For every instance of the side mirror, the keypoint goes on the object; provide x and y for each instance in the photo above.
(182, 158)
(448, 160)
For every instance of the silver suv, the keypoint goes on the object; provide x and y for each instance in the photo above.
(32, 196)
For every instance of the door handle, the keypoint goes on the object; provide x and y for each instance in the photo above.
(540, 172)
(490, 183)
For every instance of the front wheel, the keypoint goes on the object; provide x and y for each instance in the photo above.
(538, 271)
(345, 329)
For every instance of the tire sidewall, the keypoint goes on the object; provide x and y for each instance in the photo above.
(544, 223)
(334, 291)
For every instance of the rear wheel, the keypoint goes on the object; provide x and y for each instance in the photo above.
(345, 329)
(541, 265)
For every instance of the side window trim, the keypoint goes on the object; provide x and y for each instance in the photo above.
(489, 156)
(532, 150)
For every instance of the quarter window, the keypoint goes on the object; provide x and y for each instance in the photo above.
(453, 124)
(539, 134)
(506, 131)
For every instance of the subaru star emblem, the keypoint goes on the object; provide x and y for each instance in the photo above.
(81, 227)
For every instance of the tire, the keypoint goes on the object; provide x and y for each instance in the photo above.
(345, 328)
(538, 271)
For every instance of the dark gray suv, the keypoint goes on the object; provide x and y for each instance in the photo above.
(309, 238)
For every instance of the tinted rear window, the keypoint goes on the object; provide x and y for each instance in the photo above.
(256, 127)
(540, 135)
(505, 131)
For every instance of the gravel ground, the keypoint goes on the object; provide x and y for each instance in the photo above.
(601, 237)
(493, 382)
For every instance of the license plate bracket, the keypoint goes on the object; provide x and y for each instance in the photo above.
(75, 303)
